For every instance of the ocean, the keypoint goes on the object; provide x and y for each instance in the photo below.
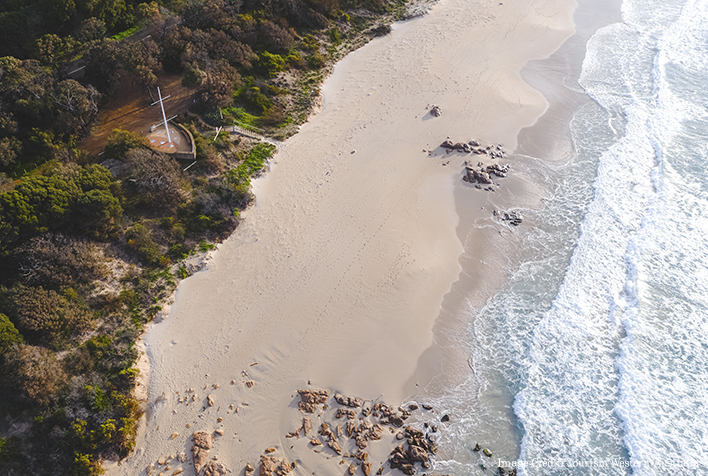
(593, 358)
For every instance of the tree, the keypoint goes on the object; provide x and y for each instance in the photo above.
(92, 29)
(140, 58)
(114, 13)
(77, 106)
(102, 65)
(10, 148)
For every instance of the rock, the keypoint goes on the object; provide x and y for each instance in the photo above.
(249, 470)
(416, 453)
(150, 468)
(199, 456)
(174, 435)
(345, 412)
(498, 170)
(335, 446)
(200, 449)
(399, 436)
(412, 407)
(427, 407)
(272, 466)
(182, 457)
(379, 471)
(161, 461)
(178, 471)
(352, 469)
(306, 425)
(353, 402)
(476, 447)
(315, 442)
(474, 176)
(514, 218)
(202, 439)
(474, 143)
(436, 111)
(447, 144)
(366, 468)
(459, 146)
(214, 468)
(250, 383)
(407, 469)
(219, 431)
(310, 399)
(487, 453)
(270, 450)
(210, 400)
(445, 418)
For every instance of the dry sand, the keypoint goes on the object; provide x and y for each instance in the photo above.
(338, 273)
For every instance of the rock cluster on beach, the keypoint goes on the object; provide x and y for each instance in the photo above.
(495, 151)
(513, 218)
(420, 447)
(363, 422)
(310, 399)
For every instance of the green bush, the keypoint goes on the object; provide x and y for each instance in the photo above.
(80, 199)
(121, 141)
(9, 335)
(44, 316)
(140, 239)
(270, 64)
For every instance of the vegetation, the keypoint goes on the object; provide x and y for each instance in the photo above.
(89, 254)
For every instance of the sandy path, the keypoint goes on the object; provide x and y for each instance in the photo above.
(337, 274)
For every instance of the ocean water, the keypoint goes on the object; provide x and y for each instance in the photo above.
(593, 359)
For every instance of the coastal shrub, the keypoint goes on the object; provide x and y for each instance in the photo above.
(335, 36)
(121, 141)
(55, 259)
(9, 335)
(45, 316)
(295, 60)
(36, 372)
(316, 60)
(80, 198)
(270, 64)
(141, 241)
(157, 177)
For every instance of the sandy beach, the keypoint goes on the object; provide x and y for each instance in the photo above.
(337, 275)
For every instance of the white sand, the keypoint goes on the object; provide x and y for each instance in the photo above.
(338, 273)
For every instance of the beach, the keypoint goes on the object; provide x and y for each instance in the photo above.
(342, 274)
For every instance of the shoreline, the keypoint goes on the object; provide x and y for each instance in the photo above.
(547, 141)
(273, 347)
